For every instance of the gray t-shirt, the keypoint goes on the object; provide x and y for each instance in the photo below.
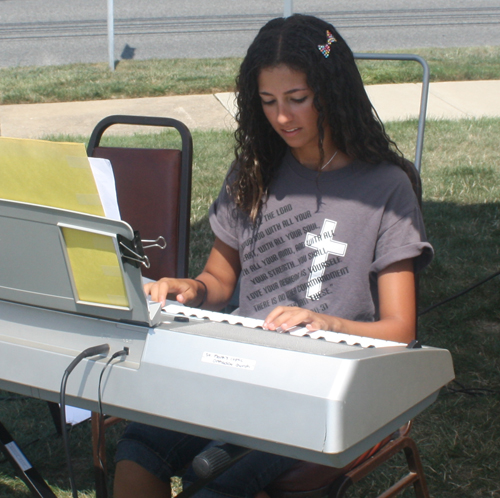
(322, 238)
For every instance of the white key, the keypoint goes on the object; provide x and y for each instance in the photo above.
(214, 316)
(364, 342)
(297, 331)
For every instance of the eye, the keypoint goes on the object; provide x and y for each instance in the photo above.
(299, 101)
(268, 102)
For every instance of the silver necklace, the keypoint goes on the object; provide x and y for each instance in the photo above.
(329, 160)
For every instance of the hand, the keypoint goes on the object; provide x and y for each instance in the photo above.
(183, 290)
(286, 317)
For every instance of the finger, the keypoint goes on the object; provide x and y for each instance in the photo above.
(292, 319)
(287, 318)
(318, 324)
(186, 292)
(313, 326)
(269, 321)
(279, 316)
(159, 291)
(147, 288)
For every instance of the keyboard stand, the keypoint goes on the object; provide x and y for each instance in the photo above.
(30, 476)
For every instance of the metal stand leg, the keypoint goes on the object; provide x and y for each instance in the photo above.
(23, 467)
(55, 412)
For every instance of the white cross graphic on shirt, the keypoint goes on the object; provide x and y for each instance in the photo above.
(324, 246)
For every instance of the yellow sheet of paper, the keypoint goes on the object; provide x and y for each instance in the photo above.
(96, 269)
(55, 174)
(58, 174)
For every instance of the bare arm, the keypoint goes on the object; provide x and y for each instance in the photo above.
(396, 288)
(220, 276)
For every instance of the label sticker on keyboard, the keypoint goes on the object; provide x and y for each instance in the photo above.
(228, 361)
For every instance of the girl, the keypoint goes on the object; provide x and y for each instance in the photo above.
(317, 216)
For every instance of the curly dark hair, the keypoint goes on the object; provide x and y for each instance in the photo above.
(339, 97)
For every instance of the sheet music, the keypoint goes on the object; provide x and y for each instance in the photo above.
(105, 181)
(76, 415)
(55, 174)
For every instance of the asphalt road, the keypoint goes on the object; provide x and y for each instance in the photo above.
(47, 32)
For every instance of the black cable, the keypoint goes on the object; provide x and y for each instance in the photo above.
(123, 352)
(472, 391)
(93, 351)
(459, 293)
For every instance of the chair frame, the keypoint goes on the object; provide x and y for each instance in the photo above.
(424, 96)
(339, 487)
(415, 475)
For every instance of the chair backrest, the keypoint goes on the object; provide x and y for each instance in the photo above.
(153, 187)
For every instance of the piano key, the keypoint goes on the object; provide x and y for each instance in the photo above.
(214, 316)
(352, 340)
(299, 331)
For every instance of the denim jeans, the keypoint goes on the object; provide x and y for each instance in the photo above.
(167, 453)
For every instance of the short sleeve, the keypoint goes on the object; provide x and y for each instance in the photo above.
(404, 239)
(402, 233)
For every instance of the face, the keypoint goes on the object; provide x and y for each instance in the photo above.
(287, 102)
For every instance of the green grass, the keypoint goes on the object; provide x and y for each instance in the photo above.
(152, 78)
(458, 435)
(446, 64)
(461, 181)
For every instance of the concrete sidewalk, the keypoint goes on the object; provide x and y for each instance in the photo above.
(456, 100)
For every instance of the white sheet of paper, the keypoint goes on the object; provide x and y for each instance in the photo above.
(105, 181)
(76, 415)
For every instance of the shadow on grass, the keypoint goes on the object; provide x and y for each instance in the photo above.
(457, 436)
(202, 239)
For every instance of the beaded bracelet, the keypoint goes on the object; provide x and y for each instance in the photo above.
(204, 294)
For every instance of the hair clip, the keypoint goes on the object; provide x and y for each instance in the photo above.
(325, 49)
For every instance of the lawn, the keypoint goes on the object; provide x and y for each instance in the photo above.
(153, 78)
(458, 436)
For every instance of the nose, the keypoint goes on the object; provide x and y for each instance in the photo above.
(284, 115)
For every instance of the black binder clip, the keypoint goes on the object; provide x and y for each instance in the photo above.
(132, 250)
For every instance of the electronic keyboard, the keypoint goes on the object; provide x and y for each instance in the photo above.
(316, 396)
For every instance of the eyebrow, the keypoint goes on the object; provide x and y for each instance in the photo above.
(293, 90)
